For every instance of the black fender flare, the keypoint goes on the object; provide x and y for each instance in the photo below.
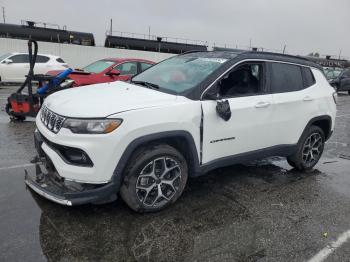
(194, 163)
(318, 118)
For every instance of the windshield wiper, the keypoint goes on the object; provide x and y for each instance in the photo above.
(146, 84)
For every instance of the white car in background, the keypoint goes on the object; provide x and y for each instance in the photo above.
(15, 66)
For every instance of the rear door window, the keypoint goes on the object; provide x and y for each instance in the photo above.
(42, 59)
(60, 60)
(286, 78)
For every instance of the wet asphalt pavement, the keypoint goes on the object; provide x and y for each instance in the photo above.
(264, 211)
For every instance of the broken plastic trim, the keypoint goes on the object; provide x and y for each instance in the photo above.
(42, 192)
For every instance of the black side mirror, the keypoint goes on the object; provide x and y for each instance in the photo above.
(223, 109)
(223, 106)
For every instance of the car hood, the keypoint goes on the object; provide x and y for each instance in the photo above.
(102, 100)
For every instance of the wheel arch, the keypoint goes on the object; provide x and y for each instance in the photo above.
(182, 140)
(324, 122)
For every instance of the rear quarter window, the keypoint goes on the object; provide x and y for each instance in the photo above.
(308, 76)
(60, 60)
(286, 78)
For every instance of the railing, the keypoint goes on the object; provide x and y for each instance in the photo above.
(44, 24)
(157, 38)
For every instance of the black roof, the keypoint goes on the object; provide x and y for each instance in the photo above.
(239, 54)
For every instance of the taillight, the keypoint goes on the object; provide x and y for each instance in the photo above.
(335, 97)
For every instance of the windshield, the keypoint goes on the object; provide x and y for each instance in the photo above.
(4, 56)
(98, 66)
(180, 73)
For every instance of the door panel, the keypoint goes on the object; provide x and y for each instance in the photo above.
(291, 113)
(14, 72)
(248, 129)
(294, 101)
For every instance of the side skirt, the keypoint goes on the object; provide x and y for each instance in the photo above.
(280, 150)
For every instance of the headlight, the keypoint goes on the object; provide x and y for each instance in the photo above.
(92, 126)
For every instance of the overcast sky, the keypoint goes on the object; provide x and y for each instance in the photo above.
(303, 25)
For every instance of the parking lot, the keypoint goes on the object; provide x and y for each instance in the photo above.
(264, 211)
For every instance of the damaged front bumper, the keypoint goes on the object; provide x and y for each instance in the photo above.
(52, 187)
(46, 182)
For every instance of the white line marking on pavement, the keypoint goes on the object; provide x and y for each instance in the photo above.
(13, 167)
(331, 247)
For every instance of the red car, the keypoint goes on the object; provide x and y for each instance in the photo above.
(107, 70)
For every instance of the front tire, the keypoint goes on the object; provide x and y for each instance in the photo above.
(155, 177)
(349, 92)
(310, 149)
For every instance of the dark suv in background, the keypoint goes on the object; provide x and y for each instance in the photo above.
(339, 79)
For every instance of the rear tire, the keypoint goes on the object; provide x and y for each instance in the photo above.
(349, 92)
(155, 178)
(310, 149)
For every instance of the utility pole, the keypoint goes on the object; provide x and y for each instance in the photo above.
(284, 48)
(149, 32)
(111, 27)
(339, 53)
(3, 14)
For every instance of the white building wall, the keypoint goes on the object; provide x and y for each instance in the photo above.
(78, 56)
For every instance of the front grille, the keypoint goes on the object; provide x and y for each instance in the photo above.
(51, 120)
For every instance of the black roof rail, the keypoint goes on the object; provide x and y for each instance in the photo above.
(192, 51)
(279, 54)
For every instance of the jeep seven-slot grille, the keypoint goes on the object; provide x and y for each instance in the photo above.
(51, 120)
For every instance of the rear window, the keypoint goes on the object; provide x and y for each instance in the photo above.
(309, 78)
(60, 60)
(42, 59)
(286, 78)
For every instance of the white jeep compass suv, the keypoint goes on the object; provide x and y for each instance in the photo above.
(180, 118)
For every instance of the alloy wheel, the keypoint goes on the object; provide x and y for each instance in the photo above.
(158, 182)
(312, 149)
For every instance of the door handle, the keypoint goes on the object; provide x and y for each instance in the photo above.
(307, 98)
(262, 104)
